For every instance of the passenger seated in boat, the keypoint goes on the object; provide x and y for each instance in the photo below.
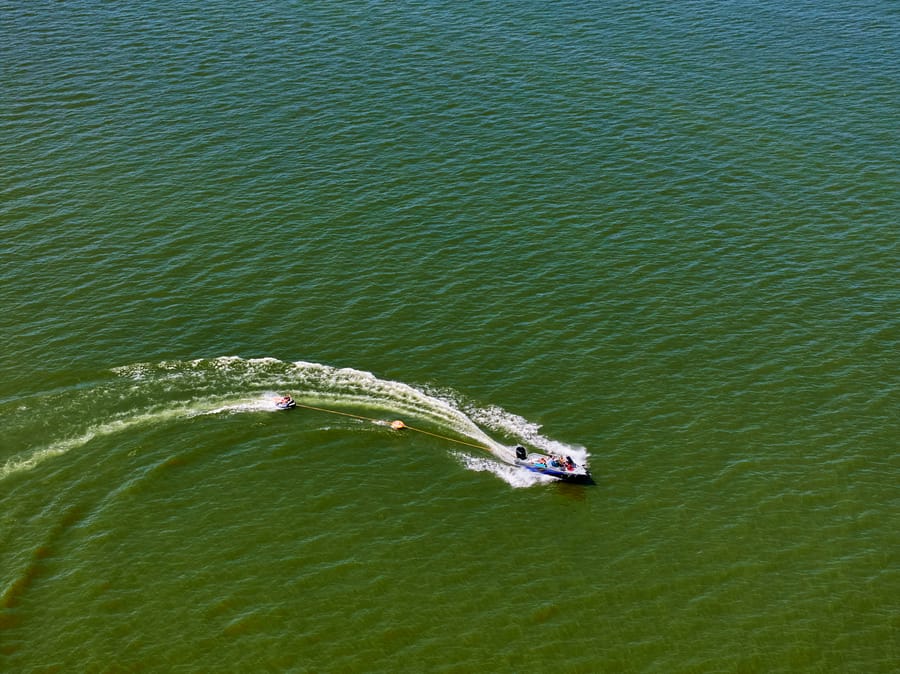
(286, 400)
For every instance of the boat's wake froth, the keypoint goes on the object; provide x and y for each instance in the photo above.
(148, 393)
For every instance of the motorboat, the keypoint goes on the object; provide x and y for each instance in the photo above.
(560, 467)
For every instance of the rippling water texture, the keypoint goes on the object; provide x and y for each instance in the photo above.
(661, 237)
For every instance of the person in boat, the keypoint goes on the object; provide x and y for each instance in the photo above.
(285, 400)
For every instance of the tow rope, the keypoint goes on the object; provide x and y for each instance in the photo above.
(397, 425)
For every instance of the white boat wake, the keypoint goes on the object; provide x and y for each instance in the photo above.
(147, 393)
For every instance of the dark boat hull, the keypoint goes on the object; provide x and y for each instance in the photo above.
(579, 475)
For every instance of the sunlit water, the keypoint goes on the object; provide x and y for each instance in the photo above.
(660, 238)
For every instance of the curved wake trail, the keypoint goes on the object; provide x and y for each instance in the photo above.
(145, 394)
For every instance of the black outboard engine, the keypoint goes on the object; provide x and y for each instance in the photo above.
(521, 454)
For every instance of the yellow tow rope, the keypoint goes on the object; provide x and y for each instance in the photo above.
(397, 425)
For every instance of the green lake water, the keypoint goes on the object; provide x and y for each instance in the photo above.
(662, 238)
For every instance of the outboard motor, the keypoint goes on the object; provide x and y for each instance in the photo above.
(521, 454)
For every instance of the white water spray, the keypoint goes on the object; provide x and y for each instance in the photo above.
(172, 390)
